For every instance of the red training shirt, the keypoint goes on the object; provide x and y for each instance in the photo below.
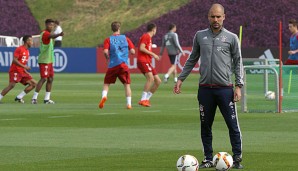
(45, 37)
(144, 57)
(22, 53)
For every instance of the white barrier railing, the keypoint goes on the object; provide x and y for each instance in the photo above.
(35, 38)
(9, 41)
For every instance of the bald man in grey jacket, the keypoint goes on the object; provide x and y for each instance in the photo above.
(220, 54)
(171, 42)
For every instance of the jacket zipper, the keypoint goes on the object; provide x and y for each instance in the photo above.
(211, 61)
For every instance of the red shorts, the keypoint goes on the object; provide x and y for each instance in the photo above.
(120, 71)
(46, 70)
(291, 62)
(18, 77)
(145, 67)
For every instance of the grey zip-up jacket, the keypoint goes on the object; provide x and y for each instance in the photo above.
(171, 42)
(220, 58)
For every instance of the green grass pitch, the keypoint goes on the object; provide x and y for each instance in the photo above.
(74, 135)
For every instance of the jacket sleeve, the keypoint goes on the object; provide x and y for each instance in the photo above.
(237, 61)
(176, 42)
(163, 44)
(192, 59)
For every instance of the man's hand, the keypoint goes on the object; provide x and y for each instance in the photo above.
(155, 56)
(27, 67)
(237, 94)
(132, 51)
(177, 87)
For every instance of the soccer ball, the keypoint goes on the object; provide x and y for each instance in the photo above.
(187, 163)
(270, 95)
(223, 161)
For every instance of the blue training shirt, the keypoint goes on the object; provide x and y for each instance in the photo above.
(294, 46)
(118, 50)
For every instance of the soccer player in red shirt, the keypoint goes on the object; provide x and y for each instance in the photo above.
(18, 70)
(116, 50)
(145, 55)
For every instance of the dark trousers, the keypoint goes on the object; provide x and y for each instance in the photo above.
(58, 43)
(209, 99)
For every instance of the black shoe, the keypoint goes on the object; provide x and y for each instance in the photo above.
(206, 164)
(236, 164)
(19, 100)
(48, 102)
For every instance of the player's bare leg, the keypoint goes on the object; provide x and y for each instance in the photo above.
(154, 87)
(128, 95)
(49, 84)
(40, 84)
(47, 99)
(156, 84)
(175, 74)
(149, 81)
(171, 70)
(10, 86)
(104, 95)
(31, 86)
(37, 89)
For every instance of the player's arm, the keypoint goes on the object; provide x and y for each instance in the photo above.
(177, 44)
(16, 62)
(237, 62)
(192, 60)
(189, 65)
(143, 49)
(53, 36)
(163, 44)
(292, 52)
(106, 53)
(46, 37)
(106, 47)
(131, 46)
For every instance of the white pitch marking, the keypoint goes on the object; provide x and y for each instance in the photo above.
(106, 114)
(190, 109)
(152, 111)
(13, 119)
(53, 117)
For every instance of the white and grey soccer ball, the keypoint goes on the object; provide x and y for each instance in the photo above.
(223, 161)
(270, 95)
(187, 163)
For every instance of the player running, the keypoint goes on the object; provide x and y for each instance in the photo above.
(18, 70)
(293, 52)
(171, 42)
(116, 50)
(145, 55)
(45, 61)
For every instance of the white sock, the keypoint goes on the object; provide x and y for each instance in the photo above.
(35, 95)
(167, 76)
(104, 93)
(149, 94)
(47, 96)
(144, 95)
(128, 99)
(175, 79)
(21, 95)
(1, 96)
